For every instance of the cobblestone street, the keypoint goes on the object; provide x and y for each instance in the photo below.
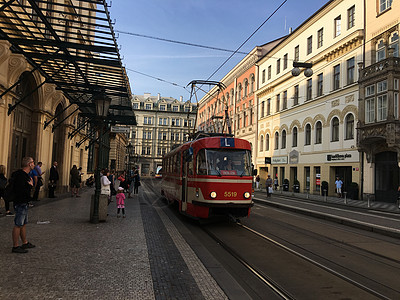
(131, 258)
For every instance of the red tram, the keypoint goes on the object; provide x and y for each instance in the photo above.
(210, 176)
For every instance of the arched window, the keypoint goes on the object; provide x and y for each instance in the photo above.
(349, 127)
(240, 92)
(232, 96)
(267, 142)
(246, 87)
(283, 146)
(318, 133)
(380, 51)
(335, 130)
(276, 140)
(294, 137)
(307, 134)
(262, 143)
(251, 83)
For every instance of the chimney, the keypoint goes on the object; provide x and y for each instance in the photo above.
(181, 98)
(158, 96)
(147, 95)
(290, 30)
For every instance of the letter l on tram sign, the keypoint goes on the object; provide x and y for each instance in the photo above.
(227, 142)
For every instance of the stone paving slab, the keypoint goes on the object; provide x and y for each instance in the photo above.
(141, 256)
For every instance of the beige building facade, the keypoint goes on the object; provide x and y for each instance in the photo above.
(162, 123)
(379, 125)
(45, 75)
(306, 125)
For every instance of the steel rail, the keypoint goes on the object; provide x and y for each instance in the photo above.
(314, 262)
(280, 291)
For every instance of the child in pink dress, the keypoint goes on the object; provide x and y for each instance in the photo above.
(120, 201)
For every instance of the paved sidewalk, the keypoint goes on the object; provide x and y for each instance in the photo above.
(140, 257)
(370, 205)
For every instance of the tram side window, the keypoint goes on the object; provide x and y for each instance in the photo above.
(176, 164)
(201, 163)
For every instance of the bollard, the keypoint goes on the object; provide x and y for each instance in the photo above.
(345, 197)
(398, 202)
(325, 195)
(308, 193)
(281, 188)
(368, 201)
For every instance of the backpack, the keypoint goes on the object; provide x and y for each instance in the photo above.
(9, 194)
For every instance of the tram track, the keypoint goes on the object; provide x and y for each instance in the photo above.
(223, 235)
(316, 263)
(275, 287)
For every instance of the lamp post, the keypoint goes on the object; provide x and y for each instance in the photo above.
(102, 102)
(129, 148)
(308, 72)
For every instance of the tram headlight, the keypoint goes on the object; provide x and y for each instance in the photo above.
(213, 195)
(246, 195)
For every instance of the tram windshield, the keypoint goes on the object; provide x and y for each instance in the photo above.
(223, 162)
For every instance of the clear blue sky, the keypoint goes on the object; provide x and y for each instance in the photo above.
(216, 23)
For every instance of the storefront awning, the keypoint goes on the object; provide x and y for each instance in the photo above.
(73, 46)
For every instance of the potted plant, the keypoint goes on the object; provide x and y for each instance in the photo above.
(324, 188)
(296, 186)
(286, 184)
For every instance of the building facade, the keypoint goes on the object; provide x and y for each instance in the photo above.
(379, 126)
(49, 67)
(306, 127)
(237, 98)
(162, 123)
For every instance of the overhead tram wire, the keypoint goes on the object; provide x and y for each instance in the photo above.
(178, 42)
(237, 50)
(159, 79)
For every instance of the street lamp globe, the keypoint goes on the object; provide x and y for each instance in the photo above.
(308, 72)
(296, 71)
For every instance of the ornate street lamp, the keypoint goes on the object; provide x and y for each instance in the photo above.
(102, 102)
(308, 72)
(128, 152)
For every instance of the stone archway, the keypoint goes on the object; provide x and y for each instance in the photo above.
(24, 139)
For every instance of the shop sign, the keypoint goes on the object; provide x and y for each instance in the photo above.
(119, 129)
(337, 157)
(279, 160)
(268, 160)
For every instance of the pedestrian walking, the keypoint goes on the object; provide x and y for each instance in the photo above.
(339, 185)
(136, 182)
(75, 181)
(120, 199)
(258, 181)
(268, 185)
(38, 180)
(22, 185)
(105, 185)
(111, 177)
(53, 179)
(3, 184)
(276, 183)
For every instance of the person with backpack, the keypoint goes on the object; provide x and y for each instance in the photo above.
(3, 184)
(20, 185)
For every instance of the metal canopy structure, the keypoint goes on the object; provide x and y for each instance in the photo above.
(72, 44)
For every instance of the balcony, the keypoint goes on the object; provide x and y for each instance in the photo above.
(383, 67)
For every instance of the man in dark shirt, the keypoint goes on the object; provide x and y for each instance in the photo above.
(53, 179)
(22, 190)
